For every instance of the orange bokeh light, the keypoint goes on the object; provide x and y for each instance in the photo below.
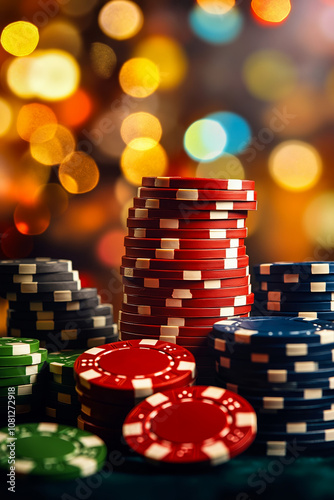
(31, 117)
(75, 110)
(32, 219)
(271, 11)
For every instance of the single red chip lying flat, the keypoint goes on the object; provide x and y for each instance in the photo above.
(239, 300)
(171, 254)
(191, 425)
(176, 321)
(184, 341)
(133, 369)
(197, 182)
(182, 244)
(206, 234)
(188, 312)
(186, 224)
(185, 275)
(197, 194)
(218, 284)
(170, 204)
(186, 293)
(144, 263)
(154, 213)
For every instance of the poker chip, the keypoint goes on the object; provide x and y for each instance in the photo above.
(54, 307)
(192, 285)
(42, 325)
(191, 425)
(198, 183)
(24, 359)
(54, 342)
(299, 306)
(185, 275)
(185, 224)
(182, 243)
(312, 287)
(197, 194)
(40, 277)
(194, 206)
(170, 254)
(21, 380)
(22, 390)
(141, 263)
(63, 362)
(53, 451)
(210, 234)
(10, 346)
(71, 334)
(302, 297)
(39, 287)
(300, 268)
(64, 295)
(109, 435)
(34, 266)
(289, 278)
(133, 369)
(185, 341)
(17, 371)
(34, 316)
(145, 213)
(188, 312)
(187, 294)
(239, 300)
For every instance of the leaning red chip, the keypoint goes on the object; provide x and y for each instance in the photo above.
(186, 293)
(170, 204)
(191, 425)
(207, 234)
(185, 194)
(197, 182)
(202, 264)
(133, 369)
(182, 243)
(186, 224)
(138, 300)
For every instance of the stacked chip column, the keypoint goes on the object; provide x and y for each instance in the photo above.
(185, 265)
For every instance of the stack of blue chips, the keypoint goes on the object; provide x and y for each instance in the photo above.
(303, 289)
(284, 367)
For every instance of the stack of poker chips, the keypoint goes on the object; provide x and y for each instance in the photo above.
(62, 403)
(185, 265)
(112, 379)
(21, 378)
(284, 367)
(46, 302)
(304, 289)
(50, 452)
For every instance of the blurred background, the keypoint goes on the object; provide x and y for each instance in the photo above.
(96, 94)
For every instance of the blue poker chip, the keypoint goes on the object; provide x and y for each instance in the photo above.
(272, 330)
(305, 268)
(306, 315)
(294, 278)
(287, 297)
(279, 403)
(69, 334)
(39, 305)
(58, 324)
(297, 428)
(275, 448)
(300, 366)
(313, 287)
(326, 435)
(287, 306)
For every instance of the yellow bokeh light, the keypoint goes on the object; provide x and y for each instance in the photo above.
(169, 57)
(136, 164)
(103, 59)
(78, 173)
(51, 151)
(269, 75)
(33, 116)
(318, 222)
(295, 165)
(63, 35)
(142, 130)
(6, 117)
(20, 38)
(139, 77)
(120, 19)
(217, 7)
(224, 167)
(18, 77)
(56, 75)
(271, 11)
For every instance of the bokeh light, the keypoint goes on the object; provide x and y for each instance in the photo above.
(318, 222)
(120, 19)
(103, 59)
(204, 139)
(76, 109)
(139, 77)
(51, 151)
(77, 8)
(33, 116)
(169, 57)
(110, 248)
(32, 218)
(224, 167)
(61, 34)
(236, 128)
(269, 75)
(216, 6)
(216, 28)
(78, 173)
(295, 165)
(20, 38)
(18, 77)
(136, 164)
(142, 130)
(6, 117)
(271, 11)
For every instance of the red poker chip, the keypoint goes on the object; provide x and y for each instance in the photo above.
(109, 408)
(163, 203)
(191, 425)
(186, 276)
(171, 254)
(186, 312)
(184, 341)
(143, 263)
(209, 234)
(164, 320)
(184, 194)
(186, 224)
(186, 293)
(197, 182)
(146, 213)
(182, 244)
(107, 434)
(240, 300)
(190, 285)
(133, 369)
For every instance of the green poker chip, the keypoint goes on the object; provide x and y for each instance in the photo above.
(23, 390)
(18, 371)
(62, 379)
(66, 389)
(62, 362)
(25, 359)
(33, 399)
(21, 380)
(13, 346)
(52, 451)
